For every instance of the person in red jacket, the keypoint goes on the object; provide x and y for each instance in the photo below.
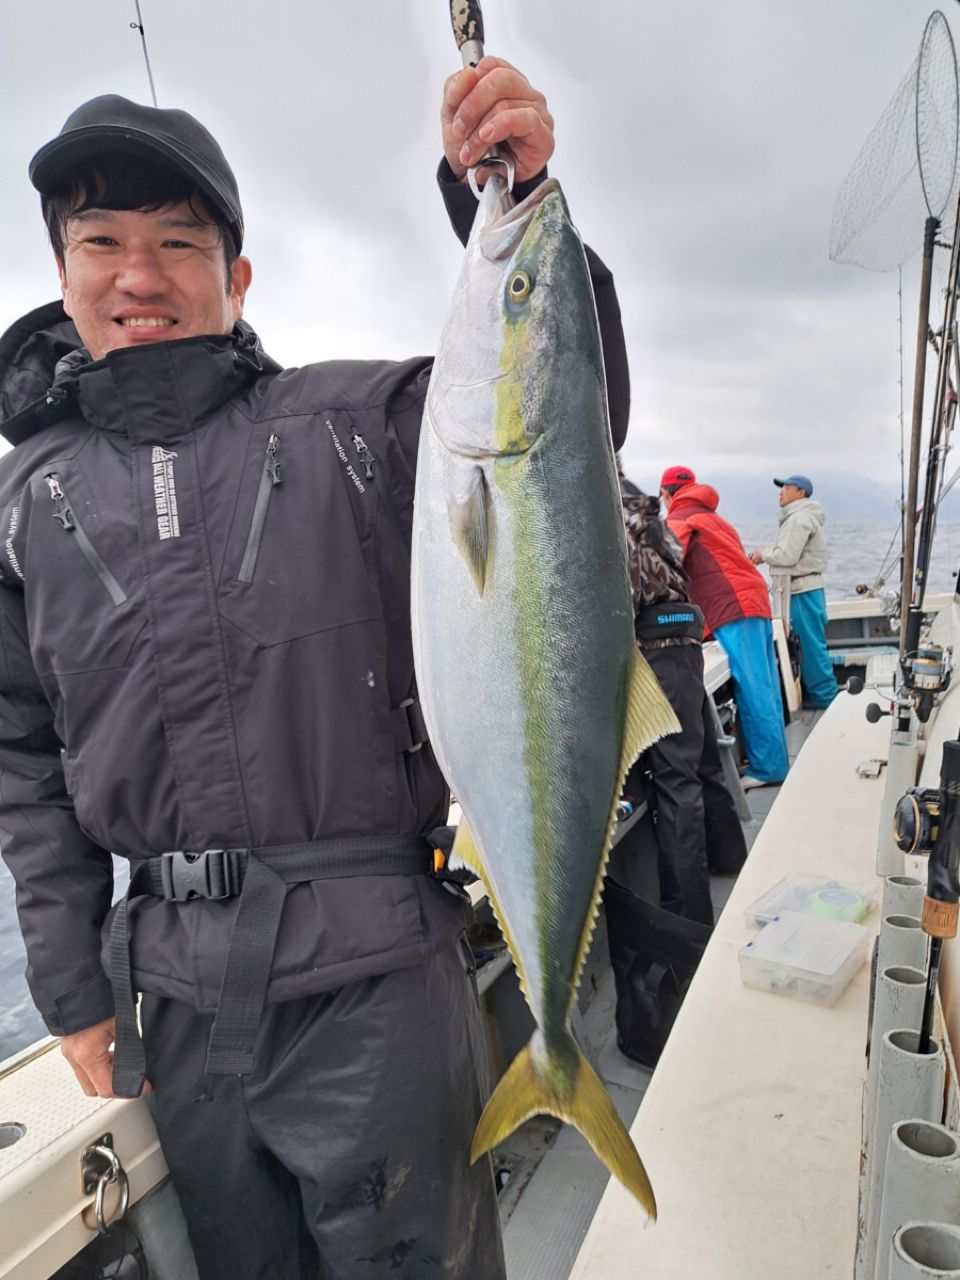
(732, 594)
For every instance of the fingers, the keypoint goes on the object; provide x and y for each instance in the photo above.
(494, 86)
(493, 103)
(90, 1054)
(521, 126)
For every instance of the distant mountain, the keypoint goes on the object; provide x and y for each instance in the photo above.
(847, 497)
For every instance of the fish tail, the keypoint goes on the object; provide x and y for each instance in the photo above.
(586, 1105)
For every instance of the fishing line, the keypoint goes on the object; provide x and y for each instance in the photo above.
(138, 26)
(903, 456)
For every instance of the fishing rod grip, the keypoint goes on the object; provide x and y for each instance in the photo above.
(940, 907)
(467, 20)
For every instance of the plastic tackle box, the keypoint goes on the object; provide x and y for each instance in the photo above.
(804, 956)
(813, 895)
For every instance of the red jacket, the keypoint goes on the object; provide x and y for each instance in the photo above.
(723, 581)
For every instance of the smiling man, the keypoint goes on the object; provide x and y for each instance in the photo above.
(127, 274)
(206, 668)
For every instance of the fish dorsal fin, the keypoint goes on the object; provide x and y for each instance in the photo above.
(467, 512)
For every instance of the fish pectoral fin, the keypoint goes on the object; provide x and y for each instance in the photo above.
(467, 513)
(522, 1094)
(649, 714)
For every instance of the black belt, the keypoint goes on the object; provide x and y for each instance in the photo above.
(260, 877)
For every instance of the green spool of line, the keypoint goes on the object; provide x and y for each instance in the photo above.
(838, 904)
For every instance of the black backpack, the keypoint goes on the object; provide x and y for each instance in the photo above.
(654, 955)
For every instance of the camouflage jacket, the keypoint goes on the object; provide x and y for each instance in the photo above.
(655, 562)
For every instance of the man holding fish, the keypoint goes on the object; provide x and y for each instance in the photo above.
(207, 669)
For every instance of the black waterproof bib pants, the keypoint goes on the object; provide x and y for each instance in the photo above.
(344, 1155)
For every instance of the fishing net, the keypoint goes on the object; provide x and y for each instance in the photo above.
(907, 167)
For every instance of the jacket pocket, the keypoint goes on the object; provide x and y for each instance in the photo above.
(293, 563)
(81, 617)
(269, 479)
(65, 518)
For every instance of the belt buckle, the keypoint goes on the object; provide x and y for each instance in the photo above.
(211, 874)
(416, 722)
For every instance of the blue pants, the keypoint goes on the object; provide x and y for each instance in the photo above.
(748, 644)
(808, 617)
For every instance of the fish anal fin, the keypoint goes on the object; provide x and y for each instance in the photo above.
(465, 852)
(649, 715)
(522, 1093)
(469, 526)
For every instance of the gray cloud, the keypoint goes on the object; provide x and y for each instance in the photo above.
(701, 148)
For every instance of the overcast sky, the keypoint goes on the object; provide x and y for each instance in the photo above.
(701, 147)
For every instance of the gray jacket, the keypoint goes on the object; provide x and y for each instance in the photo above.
(800, 548)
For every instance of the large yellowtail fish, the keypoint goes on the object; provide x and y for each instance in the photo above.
(535, 697)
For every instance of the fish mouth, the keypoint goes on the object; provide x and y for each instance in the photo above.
(501, 235)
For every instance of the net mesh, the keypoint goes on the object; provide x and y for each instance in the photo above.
(907, 168)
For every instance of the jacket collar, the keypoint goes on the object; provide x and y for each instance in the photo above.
(45, 372)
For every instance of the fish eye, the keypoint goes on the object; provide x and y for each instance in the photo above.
(520, 286)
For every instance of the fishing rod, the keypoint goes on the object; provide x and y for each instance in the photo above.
(927, 820)
(138, 26)
(937, 165)
(910, 624)
(466, 17)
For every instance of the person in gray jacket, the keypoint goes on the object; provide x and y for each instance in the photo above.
(206, 669)
(800, 549)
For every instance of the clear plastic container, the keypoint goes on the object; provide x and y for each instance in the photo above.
(813, 895)
(804, 956)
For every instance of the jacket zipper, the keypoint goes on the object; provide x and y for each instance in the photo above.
(64, 516)
(269, 479)
(363, 453)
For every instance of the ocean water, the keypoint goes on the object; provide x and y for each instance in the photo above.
(856, 554)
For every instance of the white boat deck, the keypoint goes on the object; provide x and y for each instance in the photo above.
(750, 1128)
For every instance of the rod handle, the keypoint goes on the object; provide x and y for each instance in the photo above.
(467, 20)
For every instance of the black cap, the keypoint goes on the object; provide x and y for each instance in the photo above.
(114, 124)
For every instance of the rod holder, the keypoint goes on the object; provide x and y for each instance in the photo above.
(902, 942)
(909, 1087)
(930, 1249)
(898, 1004)
(902, 896)
(921, 1180)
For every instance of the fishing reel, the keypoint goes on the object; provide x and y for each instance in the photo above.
(917, 819)
(929, 676)
(926, 675)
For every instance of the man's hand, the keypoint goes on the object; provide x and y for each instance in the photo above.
(490, 103)
(90, 1054)
(756, 556)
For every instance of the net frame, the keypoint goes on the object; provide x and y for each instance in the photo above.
(880, 209)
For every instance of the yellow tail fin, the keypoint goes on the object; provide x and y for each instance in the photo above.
(522, 1094)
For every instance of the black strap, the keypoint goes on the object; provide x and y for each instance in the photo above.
(669, 621)
(261, 877)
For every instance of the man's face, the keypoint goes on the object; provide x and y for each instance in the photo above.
(790, 493)
(130, 278)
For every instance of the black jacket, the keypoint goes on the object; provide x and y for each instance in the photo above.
(205, 642)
